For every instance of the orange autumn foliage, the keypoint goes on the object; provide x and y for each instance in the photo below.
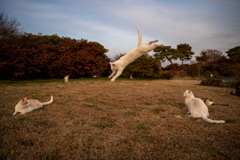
(22, 57)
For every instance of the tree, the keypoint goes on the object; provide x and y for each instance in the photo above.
(232, 51)
(184, 51)
(145, 66)
(236, 56)
(24, 57)
(52, 39)
(203, 57)
(103, 49)
(234, 68)
(213, 54)
(166, 52)
(8, 27)
(218, 67)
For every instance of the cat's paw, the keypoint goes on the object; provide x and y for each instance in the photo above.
(112, 80)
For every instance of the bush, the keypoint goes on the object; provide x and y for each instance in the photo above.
(182, 74)
(143, 67)
(23, 57)
(234, 70)
(168, 74)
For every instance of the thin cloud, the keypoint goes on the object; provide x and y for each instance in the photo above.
(207, 24)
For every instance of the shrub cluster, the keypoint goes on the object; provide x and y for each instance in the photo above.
(221, 67)
(145, 66)
(24, 57)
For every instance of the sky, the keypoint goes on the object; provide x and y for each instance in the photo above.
(203, 24)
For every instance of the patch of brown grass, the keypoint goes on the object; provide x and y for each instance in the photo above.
(126, 119)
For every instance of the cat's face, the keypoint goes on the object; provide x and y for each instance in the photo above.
(113, 66)
(187, 93)
(24, 102)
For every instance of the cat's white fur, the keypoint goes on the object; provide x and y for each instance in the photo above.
(197, 108)
(26, 105)
(118, 66)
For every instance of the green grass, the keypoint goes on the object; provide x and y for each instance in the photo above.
(174, 135)
(24, 82)
(156, 111)
(180, 114)
(231, 121)
(60, 80)
(104, 122)
(192, 118)
(140, 126)
(68, 112)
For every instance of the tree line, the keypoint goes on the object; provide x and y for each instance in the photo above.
(25, 56)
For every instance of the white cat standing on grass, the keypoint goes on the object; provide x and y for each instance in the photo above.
(197, 108)
(119, 65)
(26, 105)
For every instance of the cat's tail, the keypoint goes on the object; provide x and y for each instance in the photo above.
(15, 113)
(139, 36)
(208, 120)
(49, 102)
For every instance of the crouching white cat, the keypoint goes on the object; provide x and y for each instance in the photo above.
(197, 108)
(65, 79)
(119, 65)
(26, 105)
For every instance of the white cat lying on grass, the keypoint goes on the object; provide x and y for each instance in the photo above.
(26, 105)
(197, 108)
(119, 65)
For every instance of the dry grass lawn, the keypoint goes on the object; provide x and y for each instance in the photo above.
(125, 119)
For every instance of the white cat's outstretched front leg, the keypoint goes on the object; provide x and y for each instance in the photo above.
(119, 72)
(113, 73)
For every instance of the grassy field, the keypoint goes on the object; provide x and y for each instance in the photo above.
(125, 119)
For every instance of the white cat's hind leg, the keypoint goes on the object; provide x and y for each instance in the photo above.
(29, 109)
(149, 48)
(158, 45)
(195, 115)
(149, 43)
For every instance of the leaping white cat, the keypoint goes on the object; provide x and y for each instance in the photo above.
(119, 65)
(26, 105)
(197, 108)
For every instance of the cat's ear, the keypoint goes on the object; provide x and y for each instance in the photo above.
(189, 91)
(112, 64)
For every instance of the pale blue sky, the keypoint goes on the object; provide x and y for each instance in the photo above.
(203, 24)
